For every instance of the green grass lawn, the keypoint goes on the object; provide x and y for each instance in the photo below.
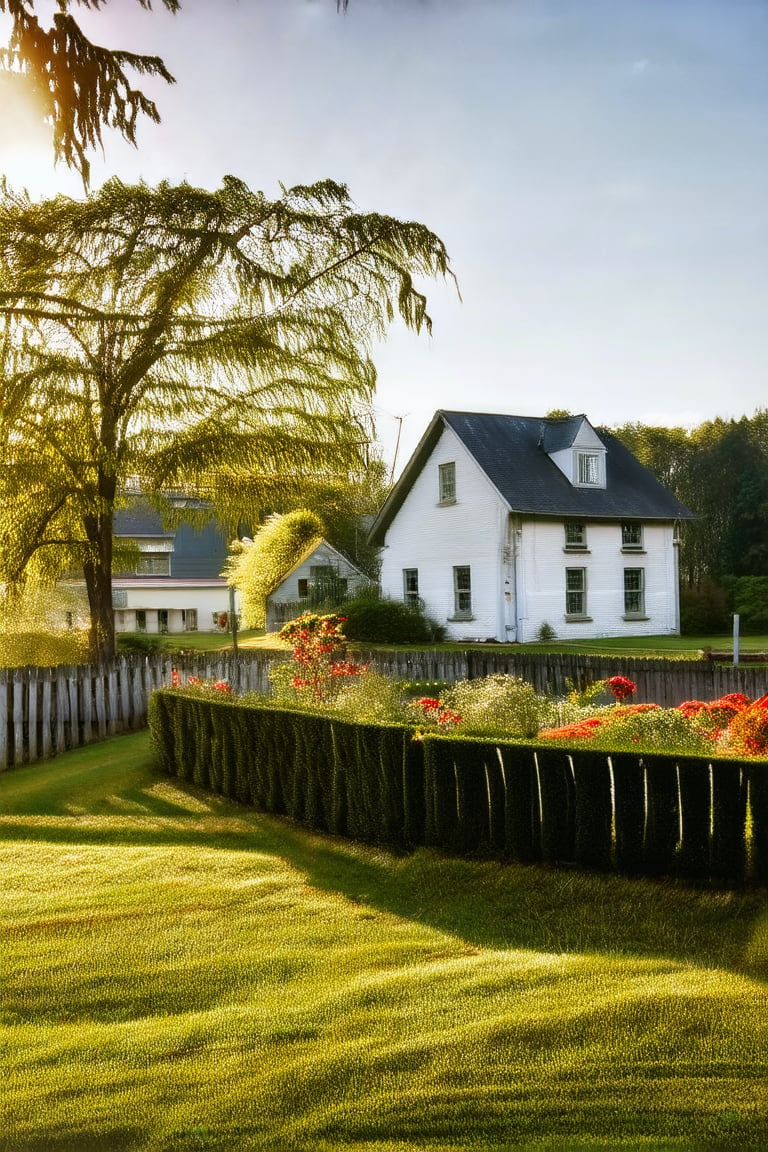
(206, 641)
(680, 647)
(670, 647)
(181, 974)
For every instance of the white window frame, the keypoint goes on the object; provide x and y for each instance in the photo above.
(575, 536)
(462, 592)
(447, 482)
(189, 619)
(411, 586)
(575, 609)
(634, 597)
(631, 536)
(154, 564)
(588, 468)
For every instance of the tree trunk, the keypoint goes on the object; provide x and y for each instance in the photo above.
(98, 582)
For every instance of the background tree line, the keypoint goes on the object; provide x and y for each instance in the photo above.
(720, 471)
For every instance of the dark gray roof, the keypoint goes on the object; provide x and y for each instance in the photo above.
(199, 550)
(139, 519)
(511, 451)
(555, 435)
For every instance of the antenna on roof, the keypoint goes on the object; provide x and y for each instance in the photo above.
(397, 443)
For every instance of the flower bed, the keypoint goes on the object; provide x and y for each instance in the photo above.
(321, 679)
(484, 766)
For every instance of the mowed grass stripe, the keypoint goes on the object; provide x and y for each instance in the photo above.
(181, 973)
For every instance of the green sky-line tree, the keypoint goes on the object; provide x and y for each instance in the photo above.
(719, 469)
(174, 337)
(256, 569)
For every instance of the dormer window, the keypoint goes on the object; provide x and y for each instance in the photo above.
(447, 480)
(588, 469)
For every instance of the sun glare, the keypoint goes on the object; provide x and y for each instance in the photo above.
(26, 141)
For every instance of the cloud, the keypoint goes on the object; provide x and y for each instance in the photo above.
(639, 67)
(624, 191)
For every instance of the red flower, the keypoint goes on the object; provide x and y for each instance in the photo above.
(631, 709)
(691, 708)
(445, 716)
(735, 700)
(347, 668)
(427, 703)
(578, 730)
(621, 687)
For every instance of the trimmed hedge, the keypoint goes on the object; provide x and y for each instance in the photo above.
(647, 815)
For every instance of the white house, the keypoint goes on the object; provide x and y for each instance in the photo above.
(176, 583)
(322, 573)
(500, 524)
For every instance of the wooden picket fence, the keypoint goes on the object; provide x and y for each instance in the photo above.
(47, 710)
(664, 682)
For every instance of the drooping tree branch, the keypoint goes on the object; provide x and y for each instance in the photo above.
(81, 85)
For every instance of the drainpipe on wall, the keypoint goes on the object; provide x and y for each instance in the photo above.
(510, 557)
(676, 575)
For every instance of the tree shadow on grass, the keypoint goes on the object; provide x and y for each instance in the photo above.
(115, 1140)
(114, 798)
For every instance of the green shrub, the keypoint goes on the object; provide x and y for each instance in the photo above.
(284, 694)
(587, 694)
(704, 608)
(499, 704)
(139, 644)
(658, 729)
(750, 600)
(371, 619)
(412, 689)
(257, 568)
(369, 698)
(43, 649)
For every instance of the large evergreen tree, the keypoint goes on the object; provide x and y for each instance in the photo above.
(171, 336)
(719, 470)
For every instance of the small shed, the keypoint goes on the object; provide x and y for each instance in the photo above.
(322, 576)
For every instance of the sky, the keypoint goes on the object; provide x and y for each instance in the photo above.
(598, 170)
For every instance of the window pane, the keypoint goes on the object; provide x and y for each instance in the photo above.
(462, 590)
(447, 481)
(575, 536)
(575, 591)
(154, 564)
(631, 535)
(589, 472)
(634, 590)
(411, 585)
